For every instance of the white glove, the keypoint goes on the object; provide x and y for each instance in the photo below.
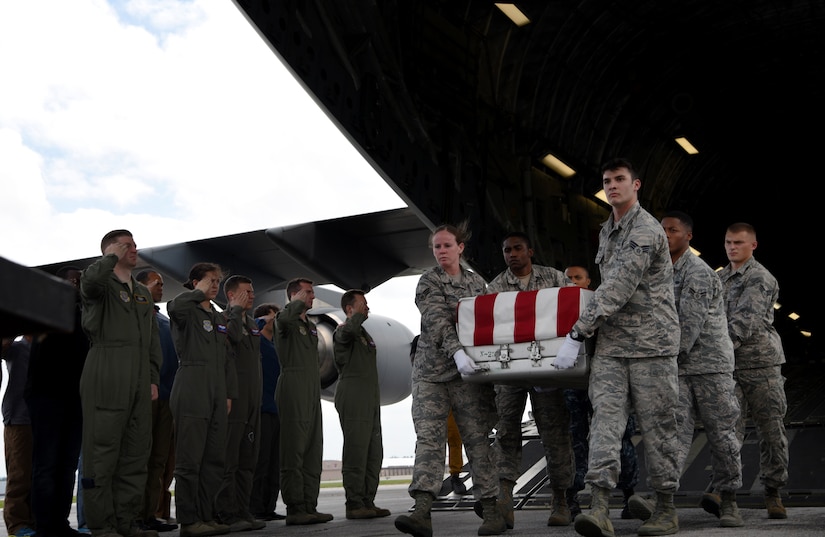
(465, 364)
(568, 352)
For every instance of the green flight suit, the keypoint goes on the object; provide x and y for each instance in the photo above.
(298, 396)
(358, 402)
(123, 361)
(242, 440)
(206, 378)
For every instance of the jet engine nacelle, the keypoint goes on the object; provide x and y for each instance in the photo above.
(392, 340)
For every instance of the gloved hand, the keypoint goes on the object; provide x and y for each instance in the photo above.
(568, 352)
(465, 364)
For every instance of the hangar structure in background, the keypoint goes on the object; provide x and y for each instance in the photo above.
(457, 106)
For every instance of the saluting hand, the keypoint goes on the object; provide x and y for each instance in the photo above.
(117, 248)
(203, 285)
(238, 298)
(302, 297)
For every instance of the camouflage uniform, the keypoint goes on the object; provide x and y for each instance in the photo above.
(706, 384)
(549, 409)
(634, 365)
(750, 293)
(437, 386)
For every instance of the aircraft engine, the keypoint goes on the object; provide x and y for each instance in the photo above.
(392, 340)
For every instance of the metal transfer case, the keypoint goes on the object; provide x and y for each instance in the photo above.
(515, 336)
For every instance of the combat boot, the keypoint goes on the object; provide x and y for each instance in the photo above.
(730, 517)
(596, 523)
(493, 520)
(319, 518)
(559, 512)
(419, 523)
(663, 521)
(298, 516)
(362, 512)
(640, 507)
(505, 503)
(626, 514)
(379, 511)
(774, 503)
(712, 503)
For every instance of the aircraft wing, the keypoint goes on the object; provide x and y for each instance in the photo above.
(360, 252)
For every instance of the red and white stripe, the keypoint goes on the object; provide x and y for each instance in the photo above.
(519, 316)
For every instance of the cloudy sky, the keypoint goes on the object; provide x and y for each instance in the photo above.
(172, 119)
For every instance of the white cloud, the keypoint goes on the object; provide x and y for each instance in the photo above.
(176, 121)
(203, 130)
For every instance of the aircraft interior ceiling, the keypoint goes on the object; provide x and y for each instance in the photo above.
(455, 106)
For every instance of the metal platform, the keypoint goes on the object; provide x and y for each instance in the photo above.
(805, 423)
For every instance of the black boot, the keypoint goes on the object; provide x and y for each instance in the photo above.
(626, 514)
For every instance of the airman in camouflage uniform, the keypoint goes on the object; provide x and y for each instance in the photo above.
(549, 408)
(578, 404)
(437, 387)
(750, 292)
(634, 364)
(706, 384)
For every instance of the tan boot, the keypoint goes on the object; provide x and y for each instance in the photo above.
(493, 520)
(559, 512)
(663, 521)
(729, 511)
(596, 523)
(505, 502)
(419, 523)
(640, 507)
(773, 502)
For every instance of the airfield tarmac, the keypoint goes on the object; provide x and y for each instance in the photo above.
(802, 521)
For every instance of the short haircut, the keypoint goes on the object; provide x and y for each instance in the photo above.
(265, 308)
(348, 298)
(199, 270)
(294, 286)
(518, 235)
(233, 282)
(683, 217)
(579, 265)
(738, 227)
(113, 236)
(616, 163)
(143, 275)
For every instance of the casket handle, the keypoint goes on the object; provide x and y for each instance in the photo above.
(504, 356)
(535, 353)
